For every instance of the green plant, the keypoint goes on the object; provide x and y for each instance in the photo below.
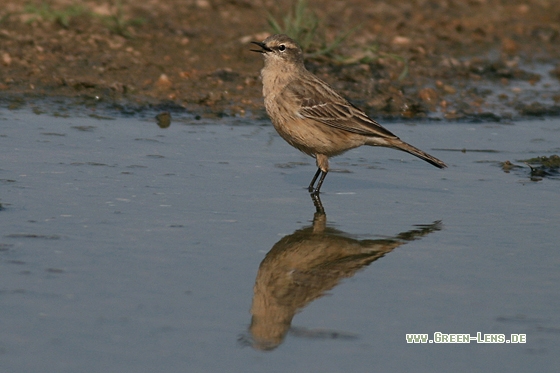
(303, 25)
(372, 54)
(549, 162)
(5, 17)
(48, 14)
(300, 24)
(118, 22)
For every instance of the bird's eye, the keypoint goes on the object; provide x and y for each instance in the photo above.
(282, 48)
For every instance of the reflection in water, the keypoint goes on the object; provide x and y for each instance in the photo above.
(302, 266)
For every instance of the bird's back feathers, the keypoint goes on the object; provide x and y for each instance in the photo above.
(319, 102)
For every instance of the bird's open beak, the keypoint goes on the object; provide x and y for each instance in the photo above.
(262, 45)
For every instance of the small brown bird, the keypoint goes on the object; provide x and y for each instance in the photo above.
(311, 116)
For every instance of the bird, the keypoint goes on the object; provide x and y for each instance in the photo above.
(305, 265)
(311, 116)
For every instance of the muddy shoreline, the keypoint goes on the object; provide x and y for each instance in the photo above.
(453, 60)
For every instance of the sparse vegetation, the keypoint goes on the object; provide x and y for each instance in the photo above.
(545, 166)
(5, 17)
(46, 13)
(448, 51)
(304, 26)
(118, 22)
(372, 54)
(552, 162)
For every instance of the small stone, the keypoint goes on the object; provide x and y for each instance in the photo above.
(428, 95)
(523, 9)
(163, 81)
(163, 119)
(509, 46)
(254, 37)
(451, 62)
(401, 40)
(449, 89)
(203, 4)
(6, 59)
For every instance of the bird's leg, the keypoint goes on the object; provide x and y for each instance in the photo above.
(323, 165)
(321, 179)
(320, 217)
(319, 209)
(310, 187)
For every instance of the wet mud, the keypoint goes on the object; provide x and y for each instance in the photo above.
(480, 60)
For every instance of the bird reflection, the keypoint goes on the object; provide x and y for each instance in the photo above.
(302, 266)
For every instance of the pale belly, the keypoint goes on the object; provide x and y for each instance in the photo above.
(315, 138)
(309, 136)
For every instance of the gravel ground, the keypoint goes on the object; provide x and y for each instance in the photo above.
(439, 59)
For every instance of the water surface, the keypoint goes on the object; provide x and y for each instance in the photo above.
(127, 247)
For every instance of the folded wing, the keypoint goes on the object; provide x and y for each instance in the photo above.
(321, 103)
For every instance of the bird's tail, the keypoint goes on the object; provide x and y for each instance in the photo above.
(401, 145)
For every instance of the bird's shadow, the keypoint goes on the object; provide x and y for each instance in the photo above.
(302, 266)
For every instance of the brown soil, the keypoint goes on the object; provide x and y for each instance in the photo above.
(466, 58)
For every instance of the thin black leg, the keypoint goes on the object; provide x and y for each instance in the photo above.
(323, 175)
(319, 209)
(310, 187)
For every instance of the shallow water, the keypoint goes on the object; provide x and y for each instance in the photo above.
(126, 247)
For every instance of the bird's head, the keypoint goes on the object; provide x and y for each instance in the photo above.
(280, 48)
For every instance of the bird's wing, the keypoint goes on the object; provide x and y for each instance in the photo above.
(321, 103)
